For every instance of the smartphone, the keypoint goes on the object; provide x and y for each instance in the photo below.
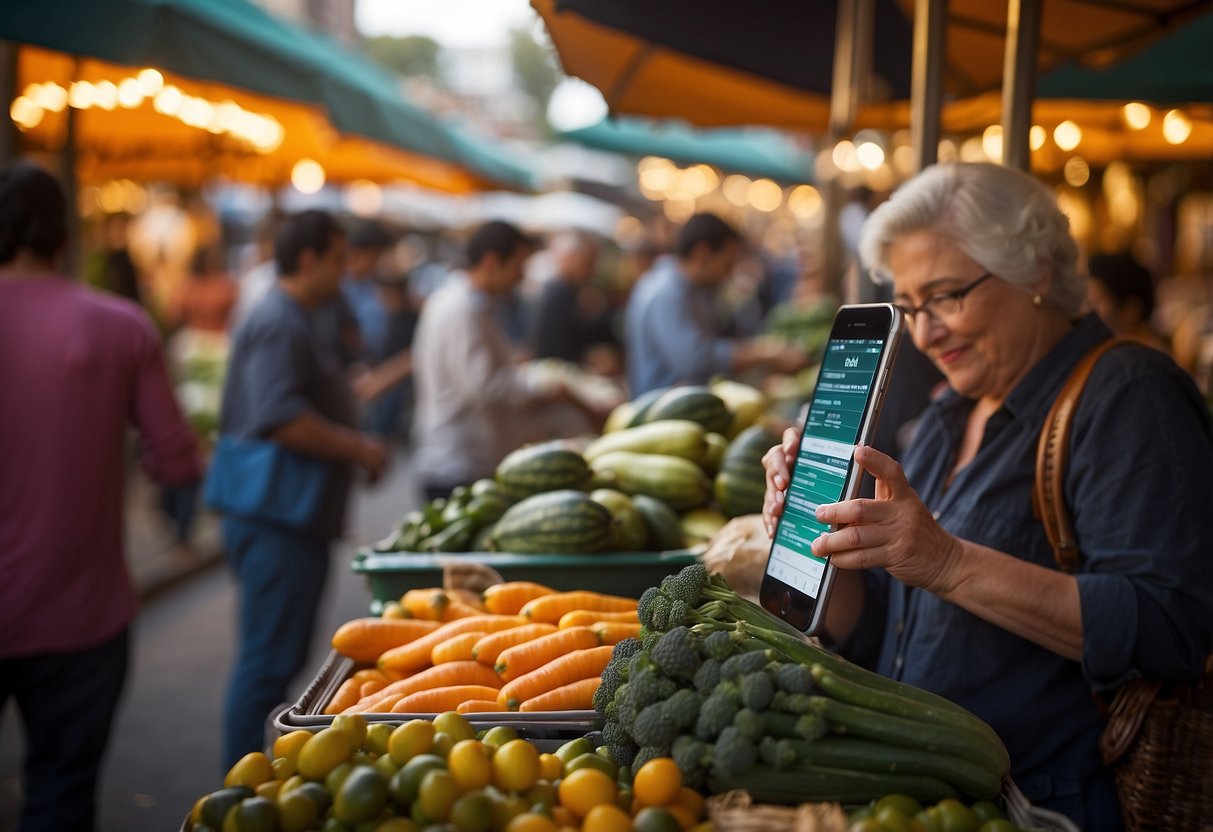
(842, 413)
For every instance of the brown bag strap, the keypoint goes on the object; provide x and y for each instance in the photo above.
(1053, 456)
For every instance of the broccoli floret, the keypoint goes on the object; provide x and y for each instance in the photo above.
(686, 585)
(616, 738)
(757, 690)
(733, 753)
(625, 649)
(675, 654)
(778, 754)
(647, 753)
(719, 645)
(612, 678)
(717, 712)
(637, 663)
(750, 724)
(792, 703)
(684, 707)
(655, 726)
(624, 705)
(693, 758)
(744, 663)
(811, 727)
(644, 688)
(707, 676)
(794, 678)
(679, 615)
(644, 607)
(730, 689)
(660, 613)
(648, 640)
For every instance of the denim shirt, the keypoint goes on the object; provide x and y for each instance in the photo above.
(1139, 487)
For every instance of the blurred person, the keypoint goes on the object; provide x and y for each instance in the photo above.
(112, 268)
(674, 331)
(386, 388)
(77, 367)
(259, 278)
(284, 386)
(571, 316)
(1121, 292)
(367, 243)
(473, 402)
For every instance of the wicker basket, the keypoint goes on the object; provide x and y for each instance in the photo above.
(1165, 778)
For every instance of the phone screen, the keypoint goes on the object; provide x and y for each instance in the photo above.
(836, 414)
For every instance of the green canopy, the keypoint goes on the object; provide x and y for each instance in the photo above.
(236, 43)
(1177, 68)
(754, 152)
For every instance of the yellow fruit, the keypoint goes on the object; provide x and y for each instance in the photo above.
(437, 795)
(530, 822)
(355, 724)
(454, 724)
(377, 737)
(550, 767)
(684, 816)
(516, 766)
(327, 749)
(606, 818)
(584, 789)
(253, 814)
(657, 783)
(691, 799)
(410, 739)
(251, 770)
(296, 811)
(269, 790)
(469, 764)
(471, 812)
(288, 745)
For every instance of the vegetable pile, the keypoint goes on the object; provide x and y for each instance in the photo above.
(741, 701)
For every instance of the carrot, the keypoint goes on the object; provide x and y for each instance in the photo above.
(480, 706)
(575, 696)
(569, 668)
(363, 639)
(468, 598)
(523, 658)
(550, 608)
(370, 686)
(425, 604)
(455, 610)
(613, 632)
(416, 654)
(509, 598)
(584, 618)
(444, 675)
(438, 700)
(384, 705)
(490, 647)
(456, 648)
(368, 674)
(345, 696)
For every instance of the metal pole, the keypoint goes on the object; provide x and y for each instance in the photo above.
(926, 86)
(10, 137)
(1019, 81)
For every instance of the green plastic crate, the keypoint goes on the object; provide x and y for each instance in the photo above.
(390, 575)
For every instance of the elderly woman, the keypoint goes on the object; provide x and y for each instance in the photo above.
(947, 579)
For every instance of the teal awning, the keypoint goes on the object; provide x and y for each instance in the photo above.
(237, 43)
(754, 152)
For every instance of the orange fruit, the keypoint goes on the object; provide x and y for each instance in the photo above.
(657, 783)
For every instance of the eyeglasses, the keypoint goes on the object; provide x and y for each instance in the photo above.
(945, 305)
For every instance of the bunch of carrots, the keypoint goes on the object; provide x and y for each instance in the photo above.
(518, 646)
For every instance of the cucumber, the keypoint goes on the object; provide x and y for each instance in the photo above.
(805, 783)
(673, 437)
(679, 483)
(456, 537)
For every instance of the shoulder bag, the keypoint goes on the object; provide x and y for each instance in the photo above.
(1159, 737)
(256, 479)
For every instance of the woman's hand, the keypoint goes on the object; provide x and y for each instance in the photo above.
(778, 464)
(894, 531)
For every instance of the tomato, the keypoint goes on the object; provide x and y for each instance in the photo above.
(658, 782)
(582, 790)
(469, 764)
(326, 750)
(410, 739)
(550, 767)
(530, 822)
(606, 818)
(471, 812)
(251, 770)
(437, 794)
(456, 725)
(516, 766)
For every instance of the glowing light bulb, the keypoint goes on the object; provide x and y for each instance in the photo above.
(1176, 127)
(1136, 115)
(307, 176)
(1068, 135)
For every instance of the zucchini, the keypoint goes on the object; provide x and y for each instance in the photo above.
(806, 783)
(673, 437)
(456, 537)
(942, 739)
(679, 483)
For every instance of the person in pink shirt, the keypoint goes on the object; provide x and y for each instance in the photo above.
(77, 368)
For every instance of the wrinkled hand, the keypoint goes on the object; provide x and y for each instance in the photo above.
(894, 530)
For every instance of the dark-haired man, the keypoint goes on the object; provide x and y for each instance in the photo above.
(285, 385)
(673, 326)
(472, 402)
(76, 369)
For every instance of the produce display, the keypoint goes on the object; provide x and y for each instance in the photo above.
(517, 646)
(741, 702)
(672, 467)
(440, 775)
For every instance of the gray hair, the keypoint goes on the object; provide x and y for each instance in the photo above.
(1000, 217)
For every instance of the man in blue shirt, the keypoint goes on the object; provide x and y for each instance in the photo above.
(674, 331)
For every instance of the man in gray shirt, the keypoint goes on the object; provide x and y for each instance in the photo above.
(673, 327)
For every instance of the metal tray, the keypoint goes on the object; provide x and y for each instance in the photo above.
(547, 729)
(391, 574)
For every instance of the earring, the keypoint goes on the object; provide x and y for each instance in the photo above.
(1037, 300)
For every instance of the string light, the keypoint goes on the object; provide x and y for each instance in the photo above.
(1176, 127)
(307, 176)
(1137, 115)
(1068, 135)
